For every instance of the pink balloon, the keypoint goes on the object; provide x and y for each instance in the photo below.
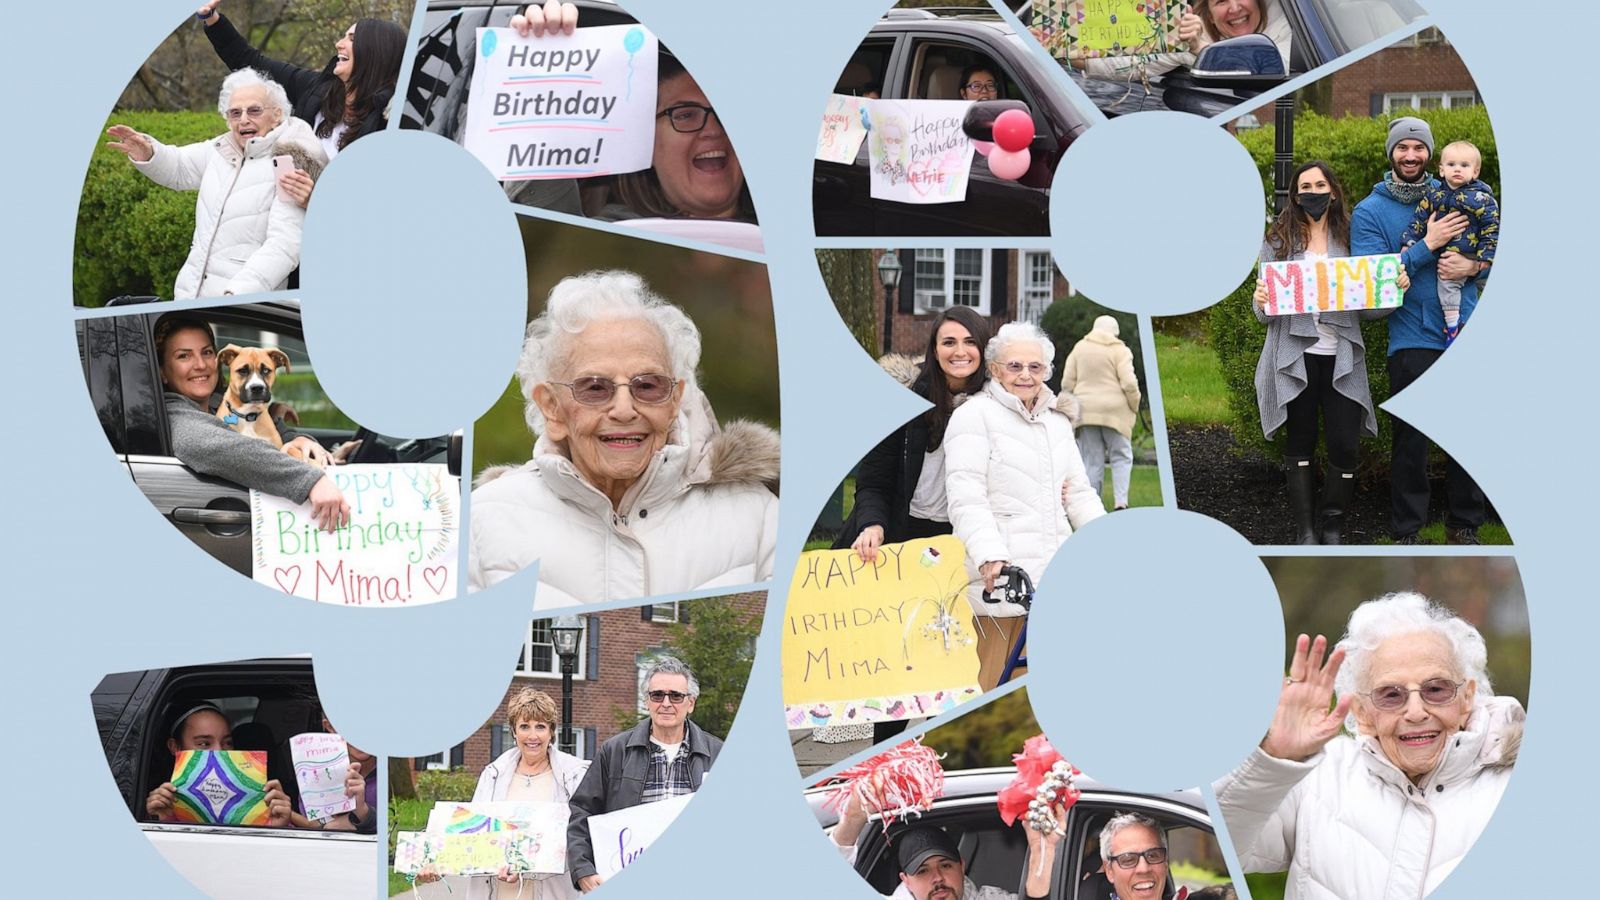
(1013, 130)
(1008, 164)
(983, 147)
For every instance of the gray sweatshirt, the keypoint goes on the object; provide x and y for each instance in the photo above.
(202, 442)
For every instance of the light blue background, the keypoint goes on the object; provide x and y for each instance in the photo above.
(97, 586)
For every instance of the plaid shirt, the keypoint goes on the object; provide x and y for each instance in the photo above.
(667, 778)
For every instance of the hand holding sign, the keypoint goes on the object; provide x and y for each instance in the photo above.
(1332, 285)
(554, 17)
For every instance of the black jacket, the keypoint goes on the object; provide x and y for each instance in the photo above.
(615, 780)
(307, 88)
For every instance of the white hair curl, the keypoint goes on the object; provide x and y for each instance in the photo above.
(1012, 332)
(577, 302)
(276, 95)
(1402, 613)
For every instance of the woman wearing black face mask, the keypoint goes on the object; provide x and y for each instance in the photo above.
(1314, 363)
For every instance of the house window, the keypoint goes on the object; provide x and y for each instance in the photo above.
(1036, 279)
(456, 757)
(1427, 36)
(1428, 100)
(665, 613)
(538, 658)
(949, 276)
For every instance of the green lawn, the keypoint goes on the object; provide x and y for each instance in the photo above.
(1269, 886)
(1191, 382)
(404, 815)
(1491, 533)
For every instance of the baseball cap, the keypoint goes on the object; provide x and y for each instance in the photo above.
(917, 844)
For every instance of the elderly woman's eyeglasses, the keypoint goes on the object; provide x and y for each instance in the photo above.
(686, 118)
(592, 390)
(662, 696)
(254, 112)
(1434, 691)
(1017, 368)
(1155, 856)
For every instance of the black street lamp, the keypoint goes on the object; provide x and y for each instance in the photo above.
(565, 632)
(889, 269)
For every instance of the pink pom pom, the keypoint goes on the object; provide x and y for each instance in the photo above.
(899, 782)
(1008, 165)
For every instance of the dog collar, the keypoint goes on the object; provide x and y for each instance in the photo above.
(233, 416)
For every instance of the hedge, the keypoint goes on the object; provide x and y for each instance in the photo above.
(133, 234)
(1354, 147)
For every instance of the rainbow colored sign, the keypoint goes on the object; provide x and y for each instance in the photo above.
(220, 787)
(1332, 285)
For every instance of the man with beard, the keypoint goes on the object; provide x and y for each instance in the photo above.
(1416, 328)
(930, 863)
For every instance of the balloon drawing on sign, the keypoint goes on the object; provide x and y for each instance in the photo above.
(488, 44)
(631, 42)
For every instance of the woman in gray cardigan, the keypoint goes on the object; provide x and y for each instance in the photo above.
(1314, 363)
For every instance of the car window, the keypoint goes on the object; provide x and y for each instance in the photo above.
(936, 68)
(297, 385)
(1194, 857)
(1358, 22)
(994, 852)
(864, 74)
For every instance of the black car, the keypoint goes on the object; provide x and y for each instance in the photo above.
(121, 370)
(918, 54)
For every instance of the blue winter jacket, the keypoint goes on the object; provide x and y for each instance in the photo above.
(1378, 225)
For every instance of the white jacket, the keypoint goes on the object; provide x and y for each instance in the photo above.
(701, 516)
(1006, 471)
(1347, 823)
(246, 240)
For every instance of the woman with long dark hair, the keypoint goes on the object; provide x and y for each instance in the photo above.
(900, 483)
(347, 100)
(1315, 364)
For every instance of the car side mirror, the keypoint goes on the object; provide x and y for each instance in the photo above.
(979, 122)
(1249, 62)
(454, 452)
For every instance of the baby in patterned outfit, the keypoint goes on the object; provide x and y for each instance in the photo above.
(1461, 192)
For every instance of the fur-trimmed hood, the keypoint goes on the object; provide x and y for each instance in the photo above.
(906, 369)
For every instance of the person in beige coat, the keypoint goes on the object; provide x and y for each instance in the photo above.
(1099, 370)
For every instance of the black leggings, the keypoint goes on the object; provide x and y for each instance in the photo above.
(1341, 417)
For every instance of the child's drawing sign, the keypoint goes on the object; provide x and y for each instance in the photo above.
(481, 853)
(220, 787)
(1082, 29)
(543, 824)
(321, 764)
(620, 838)
(889, 639)
(843, 129)
(563, 107)
(1332, 285)
(399, 547)
(919, 153)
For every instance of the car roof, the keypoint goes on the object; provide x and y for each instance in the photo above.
(946, 18)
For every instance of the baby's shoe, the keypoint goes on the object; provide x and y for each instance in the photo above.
(1451, 332)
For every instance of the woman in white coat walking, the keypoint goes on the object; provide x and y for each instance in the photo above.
(1099, 371)
(1015, 481)
(246, 232)
(1386, 810)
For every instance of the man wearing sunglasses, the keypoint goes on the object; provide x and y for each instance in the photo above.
(662, 757)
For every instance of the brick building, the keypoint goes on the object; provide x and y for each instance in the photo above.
(1002, 285)
(1420, 72)
(615, 648)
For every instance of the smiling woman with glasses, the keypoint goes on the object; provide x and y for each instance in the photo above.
(633, 489)
(1014, 481)
(1388, 807)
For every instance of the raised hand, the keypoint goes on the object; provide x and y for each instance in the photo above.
(1304, 722)
(554, 17)
(134, 145)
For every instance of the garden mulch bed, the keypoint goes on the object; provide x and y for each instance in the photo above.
(1245, 491)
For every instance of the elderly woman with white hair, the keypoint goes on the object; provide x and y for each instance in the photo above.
(633, 489)
(1099, 371)
(246, 229)
(1388, 809)
(1015, 481)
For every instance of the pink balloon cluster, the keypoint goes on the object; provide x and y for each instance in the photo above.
(1008, 155)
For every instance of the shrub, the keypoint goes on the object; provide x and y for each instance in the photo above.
(1354, 147)
(434, 785)
(133, 234)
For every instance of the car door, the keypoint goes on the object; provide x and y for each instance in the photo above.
(841, 201)
(1194, 856)
(993, 852)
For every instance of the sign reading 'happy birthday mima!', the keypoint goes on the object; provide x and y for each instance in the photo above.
(399, 547)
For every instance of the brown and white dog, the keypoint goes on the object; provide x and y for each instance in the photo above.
(248, 395)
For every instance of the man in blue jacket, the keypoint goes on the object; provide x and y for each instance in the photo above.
(1416, 329)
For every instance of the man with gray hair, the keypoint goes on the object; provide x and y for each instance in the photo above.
(662, 757)
(1134, 852)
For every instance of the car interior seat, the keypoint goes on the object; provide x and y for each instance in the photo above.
(944, 83)
(855, 77)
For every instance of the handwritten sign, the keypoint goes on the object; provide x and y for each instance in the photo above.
(463, 854)
(1084, 29)
(321, 764)
(1332, 285)
(563, 106)
(844, 127)
(220, 787)
(890, 639)
(620, 838)
(544, 822)
(398, 548)
(918, 152)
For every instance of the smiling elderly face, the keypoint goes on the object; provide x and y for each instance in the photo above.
(1414, 736)
(610, 444)
(241, 123)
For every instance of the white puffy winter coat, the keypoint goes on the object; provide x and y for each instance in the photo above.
(701, 516)
(1346, 823)
(246, 240)
(1006, 472)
